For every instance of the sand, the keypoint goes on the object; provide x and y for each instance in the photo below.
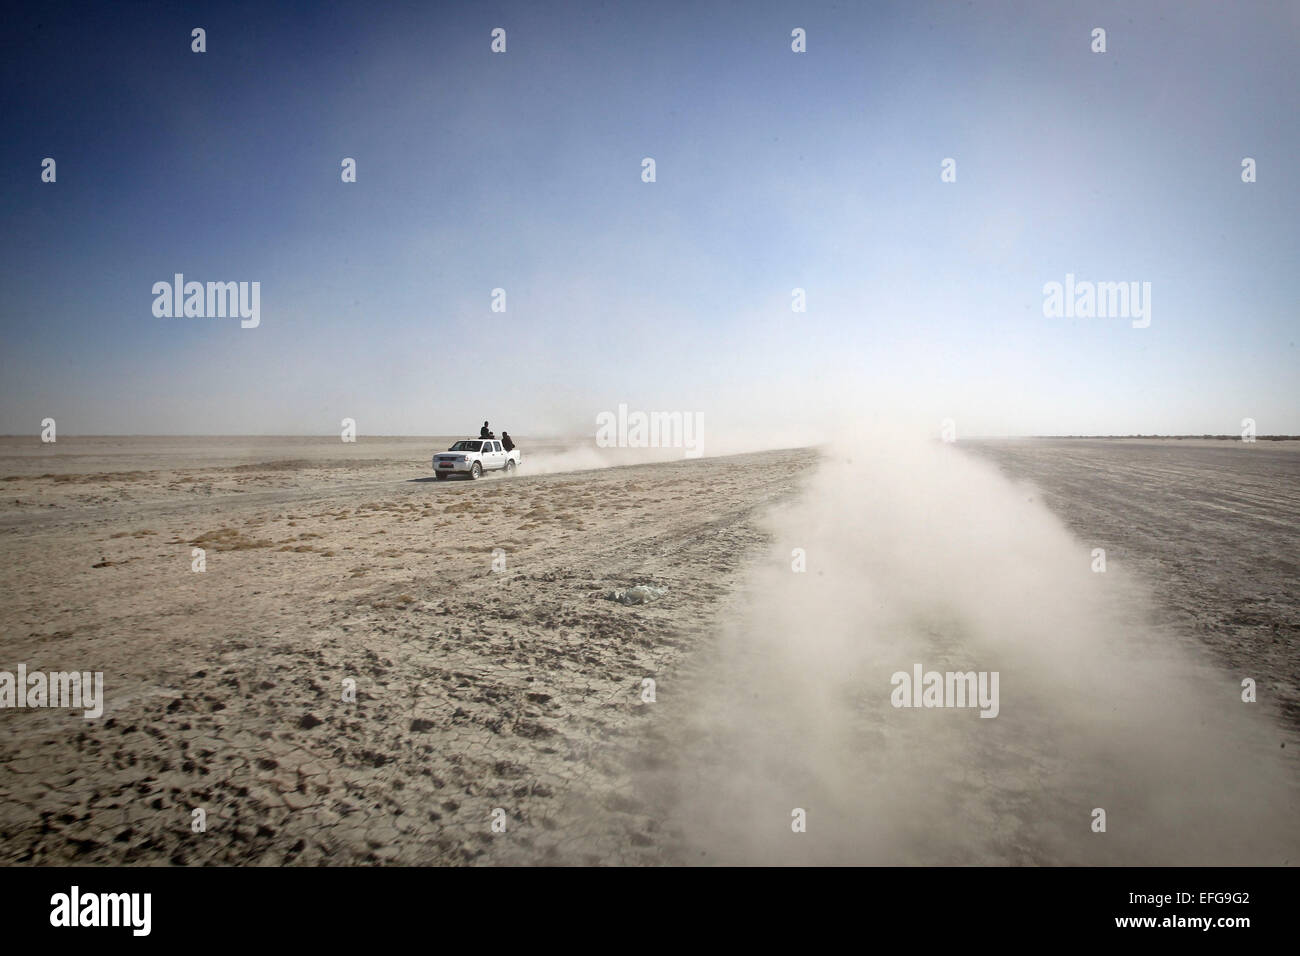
(475, 688)
(502, 715)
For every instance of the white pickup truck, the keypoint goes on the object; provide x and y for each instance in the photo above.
(473, 456)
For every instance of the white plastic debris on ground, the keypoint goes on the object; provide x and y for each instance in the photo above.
(641, 594)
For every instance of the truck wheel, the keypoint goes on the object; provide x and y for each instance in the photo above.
(510, 467)
(476, 471)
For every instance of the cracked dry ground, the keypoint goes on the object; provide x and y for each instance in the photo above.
(475, 690)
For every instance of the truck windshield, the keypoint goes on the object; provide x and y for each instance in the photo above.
(466, 446)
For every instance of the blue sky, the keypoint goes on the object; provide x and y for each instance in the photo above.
(775, 170)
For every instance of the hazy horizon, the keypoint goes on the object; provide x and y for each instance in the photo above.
(541, 436)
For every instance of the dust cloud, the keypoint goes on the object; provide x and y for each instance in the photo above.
(558, 456)
(919, 554)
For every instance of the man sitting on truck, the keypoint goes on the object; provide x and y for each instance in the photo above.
(506, 443)
(483, 432)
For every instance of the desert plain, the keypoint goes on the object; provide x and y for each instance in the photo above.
(371, 667)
